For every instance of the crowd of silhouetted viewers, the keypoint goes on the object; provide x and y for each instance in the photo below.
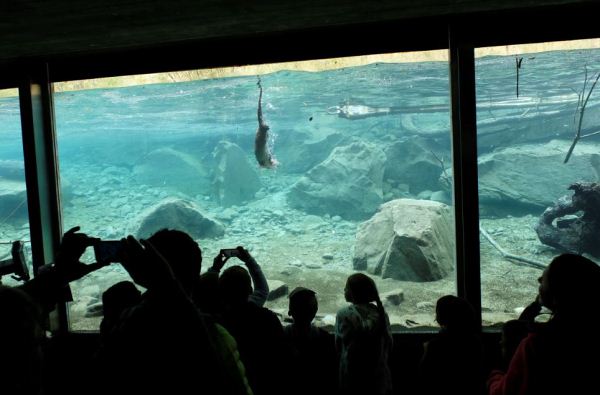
(209, 333)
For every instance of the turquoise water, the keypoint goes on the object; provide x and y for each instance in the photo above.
(124, 150)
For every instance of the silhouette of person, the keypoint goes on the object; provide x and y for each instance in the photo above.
(452, 360)
(561, 355)
(513, 332)
(164, 343)
(115, 301)
(257, 331)
(206, 293)
(22, 339)
(364, 340)
(23, 310)
(312, 367)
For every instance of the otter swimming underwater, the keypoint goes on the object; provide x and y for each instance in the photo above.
(261, 149)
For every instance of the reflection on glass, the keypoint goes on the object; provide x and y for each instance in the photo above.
(532, 101)
(348, 136)
(14, 221)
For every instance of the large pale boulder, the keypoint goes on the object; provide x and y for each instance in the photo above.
(234, 180)
(180, 215)
(179, 171)
(407, 240)
(348, 183)
(534, 175)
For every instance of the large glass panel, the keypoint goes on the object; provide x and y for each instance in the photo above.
(14, 221)
(532, 102)
(348, 135)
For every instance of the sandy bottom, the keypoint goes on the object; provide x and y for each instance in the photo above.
(298, 261)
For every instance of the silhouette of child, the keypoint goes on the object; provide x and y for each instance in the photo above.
(452, 360)
(513, 332)
(363, 338)
(312, 351)
(115, 300)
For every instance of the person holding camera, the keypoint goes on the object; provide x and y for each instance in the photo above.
(257, 330)
(23, 313)
(261, 287)
(164, 342)
(206, 292)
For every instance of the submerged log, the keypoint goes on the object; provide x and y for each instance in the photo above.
(577, 221)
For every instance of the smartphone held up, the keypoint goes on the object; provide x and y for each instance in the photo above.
(230, 252)
(109, 251)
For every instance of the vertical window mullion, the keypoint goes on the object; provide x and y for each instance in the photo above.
(464, 161)
(41, 171)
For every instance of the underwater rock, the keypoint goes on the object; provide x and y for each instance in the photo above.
(12, 170)
(277, 289)
(442, 197)
(180, 215)
(13, 201)
(298, 154)
(234, 179)
(411, 162)
(393, 298)
(573, 233)
(407, 240)
(348, 183)
(166, 167)
(533, 175)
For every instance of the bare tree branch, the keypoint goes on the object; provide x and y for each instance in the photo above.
(581, 112)
(512, 257)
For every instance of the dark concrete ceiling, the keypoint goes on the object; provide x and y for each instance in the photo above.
(40, 28)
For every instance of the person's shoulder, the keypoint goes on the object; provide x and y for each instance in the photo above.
(264, 313)
(347, 311)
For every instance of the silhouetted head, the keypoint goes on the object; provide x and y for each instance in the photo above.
(235, 286)
(360, 288)
(513, 332)
(119, 297)
(182, 253)
(455, 314)
(303, 305)
(570, 285)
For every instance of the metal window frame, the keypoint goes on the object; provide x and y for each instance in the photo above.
(459, 34)
(41, 173)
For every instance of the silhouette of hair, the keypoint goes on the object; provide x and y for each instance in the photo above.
(456, 314)
(573, 283)
(303, 304)
(235, 285)
(362, 289)
(183, 254)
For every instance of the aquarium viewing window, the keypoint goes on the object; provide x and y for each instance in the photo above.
(14, 219)
(538, 123)
(355, 174)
